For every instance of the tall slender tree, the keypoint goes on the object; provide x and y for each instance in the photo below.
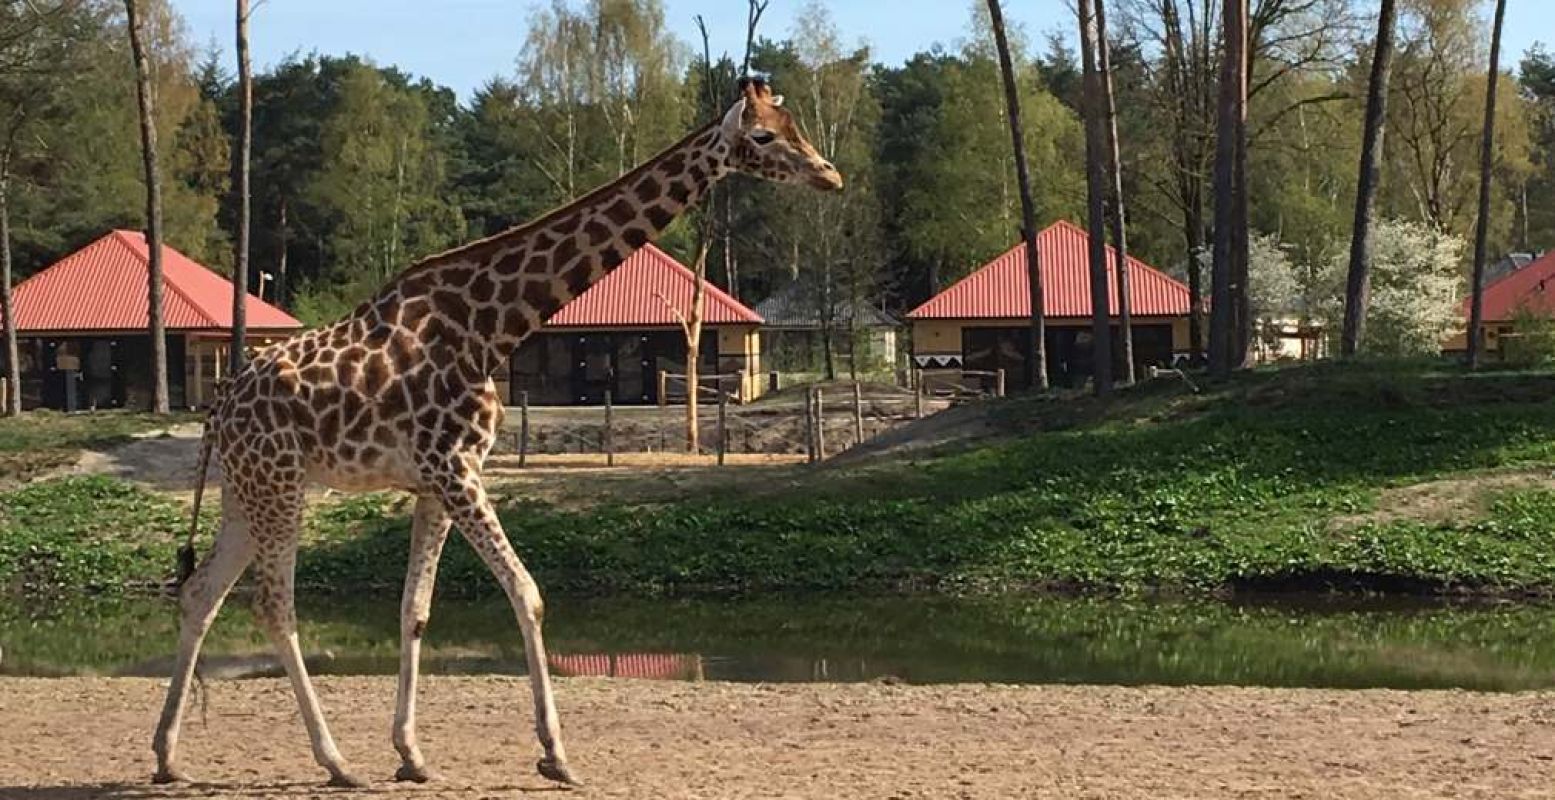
(240, 188)
(148, 140)
(1230, 215)
(1487, 153)
(1115, 192)
(1036, 373)
(1096, 195)
(1358, 283)
(13, 370)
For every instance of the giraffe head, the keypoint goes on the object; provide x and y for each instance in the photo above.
(765, 142)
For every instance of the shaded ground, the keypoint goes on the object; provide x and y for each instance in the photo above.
(89, 738)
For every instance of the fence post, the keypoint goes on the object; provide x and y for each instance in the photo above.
(610, 437)
(999, 384)
(820, 425)
(858, 414)
(723, 430)
(664, 384)
(917, 396)
(809, 424)
(523, 428)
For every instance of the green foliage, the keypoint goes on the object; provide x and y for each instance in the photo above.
(1531, 342)
(948, 179)
(1258, 484)
(83, 535)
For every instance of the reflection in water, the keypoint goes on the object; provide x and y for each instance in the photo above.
(650, 666)
(1312, 641)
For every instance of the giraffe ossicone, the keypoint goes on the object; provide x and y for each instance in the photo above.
(398, 395)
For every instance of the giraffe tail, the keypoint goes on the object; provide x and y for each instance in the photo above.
(187, 554)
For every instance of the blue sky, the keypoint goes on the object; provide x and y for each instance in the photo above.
(461, 43)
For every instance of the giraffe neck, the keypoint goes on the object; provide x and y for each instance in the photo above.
(478, 302)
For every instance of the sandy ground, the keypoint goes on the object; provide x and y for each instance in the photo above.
(76, 739)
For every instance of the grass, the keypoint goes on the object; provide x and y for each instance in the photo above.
(1243, 486)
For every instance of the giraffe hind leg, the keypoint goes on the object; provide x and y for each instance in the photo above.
(276, 530)
(200, 600)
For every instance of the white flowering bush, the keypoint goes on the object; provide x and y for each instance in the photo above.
(1416, 290)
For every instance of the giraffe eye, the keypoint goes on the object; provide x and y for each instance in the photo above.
(762, 138)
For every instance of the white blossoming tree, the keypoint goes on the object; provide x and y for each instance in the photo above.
(1416, 290)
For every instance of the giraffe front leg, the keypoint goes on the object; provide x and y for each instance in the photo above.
(471, 510)
(199, 601)
(429, 531)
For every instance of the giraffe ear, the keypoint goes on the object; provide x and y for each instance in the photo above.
(777, 101)
(734, 121)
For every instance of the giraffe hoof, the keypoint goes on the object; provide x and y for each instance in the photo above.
(345, 780)
(167, 775)
(557, 771)
(413, 774)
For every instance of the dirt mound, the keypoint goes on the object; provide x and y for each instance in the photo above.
(165, 460)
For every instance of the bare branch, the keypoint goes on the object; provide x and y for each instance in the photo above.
(753, 17)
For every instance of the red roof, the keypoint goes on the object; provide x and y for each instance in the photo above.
(1532, 287)
(1000, 290)
(102, 287)
(635, 294)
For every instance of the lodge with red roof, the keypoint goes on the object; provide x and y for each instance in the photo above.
(1527, 289)
(82, 327)
(623, 331)
(981, 322)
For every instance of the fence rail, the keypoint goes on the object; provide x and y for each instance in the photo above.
(832, 420)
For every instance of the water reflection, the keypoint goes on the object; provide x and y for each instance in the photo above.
(1008, 639)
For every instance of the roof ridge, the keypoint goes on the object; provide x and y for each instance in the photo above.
(123, 235)
(686, 273)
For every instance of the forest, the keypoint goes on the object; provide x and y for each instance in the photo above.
(358, 168)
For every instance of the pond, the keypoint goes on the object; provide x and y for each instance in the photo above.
(1311, 642)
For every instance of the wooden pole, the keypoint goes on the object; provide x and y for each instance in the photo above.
(809, 425)
(664, 383)
(610, 438)
(917, 396)
(858, 413)
(999, 384)
(523, 427)
(723, 430)
(820, 425)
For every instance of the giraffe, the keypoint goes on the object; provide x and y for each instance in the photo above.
(398, 395)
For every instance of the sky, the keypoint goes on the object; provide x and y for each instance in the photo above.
(462, 43)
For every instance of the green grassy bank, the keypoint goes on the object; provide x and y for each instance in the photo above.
(1313, 478)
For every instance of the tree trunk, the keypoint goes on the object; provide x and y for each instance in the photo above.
(691, 323)
(693, 379)
(1487, 154)
(1185, 150)
(1096, 196)
(148, 137)
(241, 186)
(283, 240)
(1230, 215)
(1115, 171)
(13, 367)
(1357, 292)
(1036, 348)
